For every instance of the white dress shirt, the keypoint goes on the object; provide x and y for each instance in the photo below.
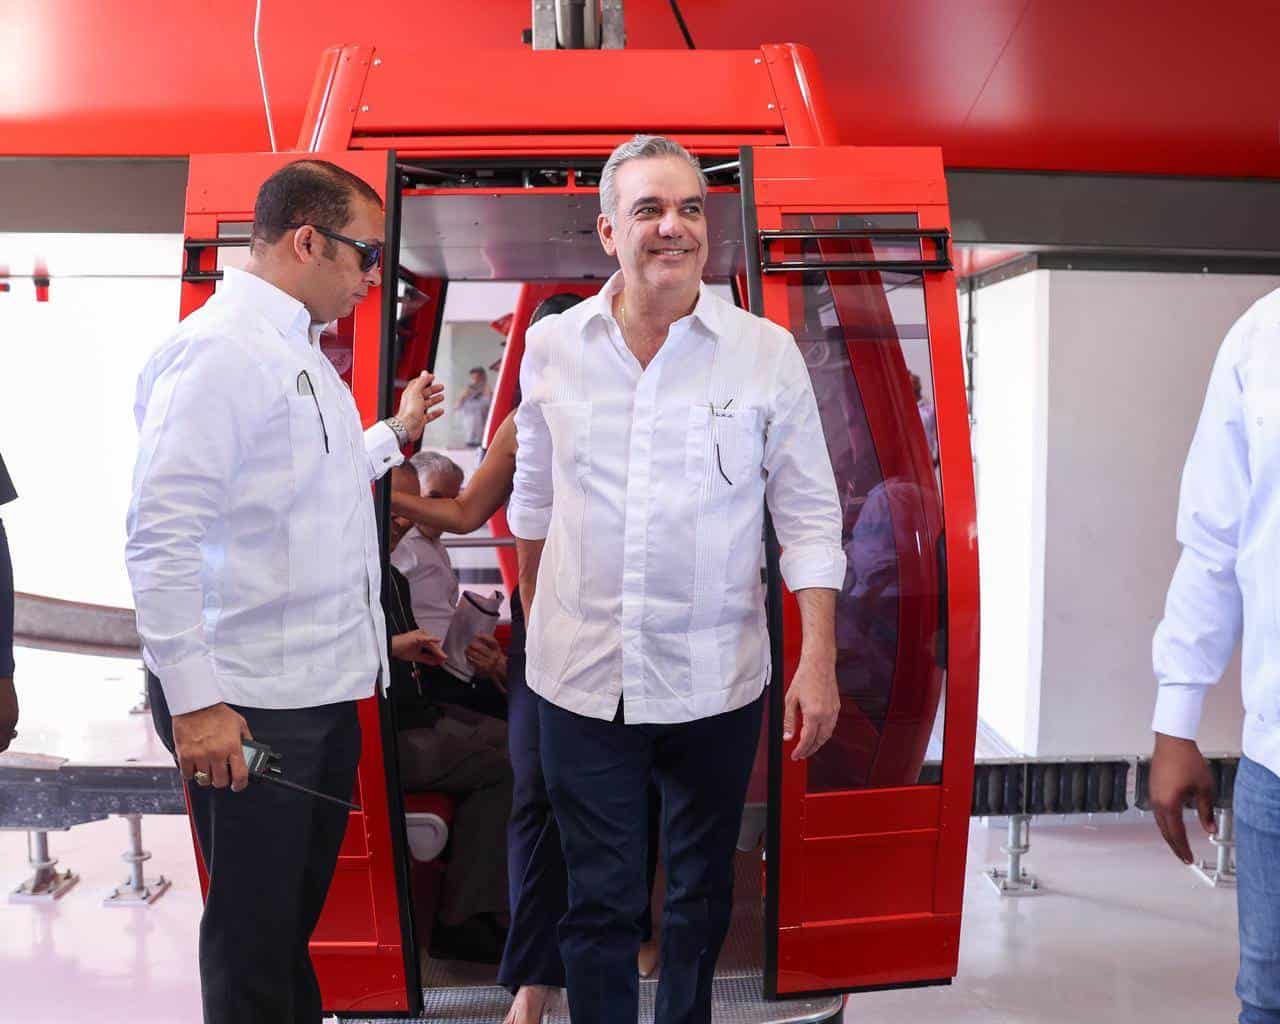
(649, 487)
(1227, 580)
(252, 551)
(433, 583)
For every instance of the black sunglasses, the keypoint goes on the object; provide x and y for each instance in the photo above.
(370, 253)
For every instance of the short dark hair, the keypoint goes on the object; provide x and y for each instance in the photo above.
(556, 303)
(312, 192)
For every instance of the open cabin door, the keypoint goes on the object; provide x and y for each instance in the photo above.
(848, 248)
(363, 947)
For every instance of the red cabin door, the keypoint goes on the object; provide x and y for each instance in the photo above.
(363, 948)
(848, 248)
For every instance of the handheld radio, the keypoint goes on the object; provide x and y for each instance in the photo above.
(264, 763)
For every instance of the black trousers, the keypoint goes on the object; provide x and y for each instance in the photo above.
(537, 883)
(270, 854)
(597, 775)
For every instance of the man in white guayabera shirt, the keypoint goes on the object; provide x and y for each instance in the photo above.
(657, 422)
(1224, 591)
(254, 559)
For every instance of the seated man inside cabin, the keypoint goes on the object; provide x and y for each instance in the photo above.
(447, 749)
(424, 561)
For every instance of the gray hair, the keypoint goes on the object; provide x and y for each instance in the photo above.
(642, 147)
(429, 464)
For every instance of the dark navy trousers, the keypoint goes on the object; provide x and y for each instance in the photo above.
(6, 608)
(538, 886)
(598, 775)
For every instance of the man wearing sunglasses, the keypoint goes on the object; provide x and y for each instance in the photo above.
(253, 554)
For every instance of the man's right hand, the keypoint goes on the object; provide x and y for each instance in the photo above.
(8, 713)
(208, 741)
(420, 403)
(1178, 771)
(418, 645)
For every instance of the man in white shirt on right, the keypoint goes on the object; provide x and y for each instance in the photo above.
(1225, 588)
(657, 422)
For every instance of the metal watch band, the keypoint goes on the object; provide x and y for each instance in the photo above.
(399, 429)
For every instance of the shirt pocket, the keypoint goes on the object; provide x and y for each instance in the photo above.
(308, 434)
(1262, 425)
(722, 449)
(570, 426)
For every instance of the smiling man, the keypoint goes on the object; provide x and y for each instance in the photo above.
(254, 560)
(657, 422)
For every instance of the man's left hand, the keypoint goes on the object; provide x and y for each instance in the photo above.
(814, 695)
(420, 404)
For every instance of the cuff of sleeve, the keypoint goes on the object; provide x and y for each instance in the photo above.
(814, 565)
(1178, 707)
(528, 523)
(189, 685)
(383, 447)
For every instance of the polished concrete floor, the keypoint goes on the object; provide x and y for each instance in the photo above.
(1123, 932)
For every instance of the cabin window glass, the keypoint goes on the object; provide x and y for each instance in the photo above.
(865, 338)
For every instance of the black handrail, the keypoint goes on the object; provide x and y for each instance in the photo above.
(940, 237)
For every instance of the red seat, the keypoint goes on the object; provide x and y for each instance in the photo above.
(439, 804)
(426, 876)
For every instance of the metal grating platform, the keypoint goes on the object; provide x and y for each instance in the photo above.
(735, 1001)
(458, 993)
(741, 955)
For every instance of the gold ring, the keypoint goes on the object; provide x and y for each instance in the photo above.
(202, 778)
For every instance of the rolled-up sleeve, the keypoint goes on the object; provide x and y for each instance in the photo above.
(1203, 611)
(800, 489)
(529, 510)
(194, 416)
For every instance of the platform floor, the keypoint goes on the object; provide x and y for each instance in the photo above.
(1124, 933)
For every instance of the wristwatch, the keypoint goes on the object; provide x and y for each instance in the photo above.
(399, 429)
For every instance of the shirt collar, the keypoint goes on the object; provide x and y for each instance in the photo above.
(285, 313)
(704, 310)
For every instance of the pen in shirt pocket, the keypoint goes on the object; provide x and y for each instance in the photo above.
(722, 413)
(305, 388)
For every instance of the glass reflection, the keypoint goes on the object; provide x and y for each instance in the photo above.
(864, 337)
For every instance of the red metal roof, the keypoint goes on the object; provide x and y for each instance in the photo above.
(1173, 88)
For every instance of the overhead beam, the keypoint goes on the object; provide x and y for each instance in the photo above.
(1115, 213)
(1119, 214)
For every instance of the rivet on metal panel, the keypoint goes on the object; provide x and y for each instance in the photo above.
(759, 61)
(377, 61)
(773, 106)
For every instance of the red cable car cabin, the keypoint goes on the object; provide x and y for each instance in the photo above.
(848, 248)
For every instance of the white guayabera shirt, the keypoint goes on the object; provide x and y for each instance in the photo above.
(649, 487)
(1228, 579)
(253, 549)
